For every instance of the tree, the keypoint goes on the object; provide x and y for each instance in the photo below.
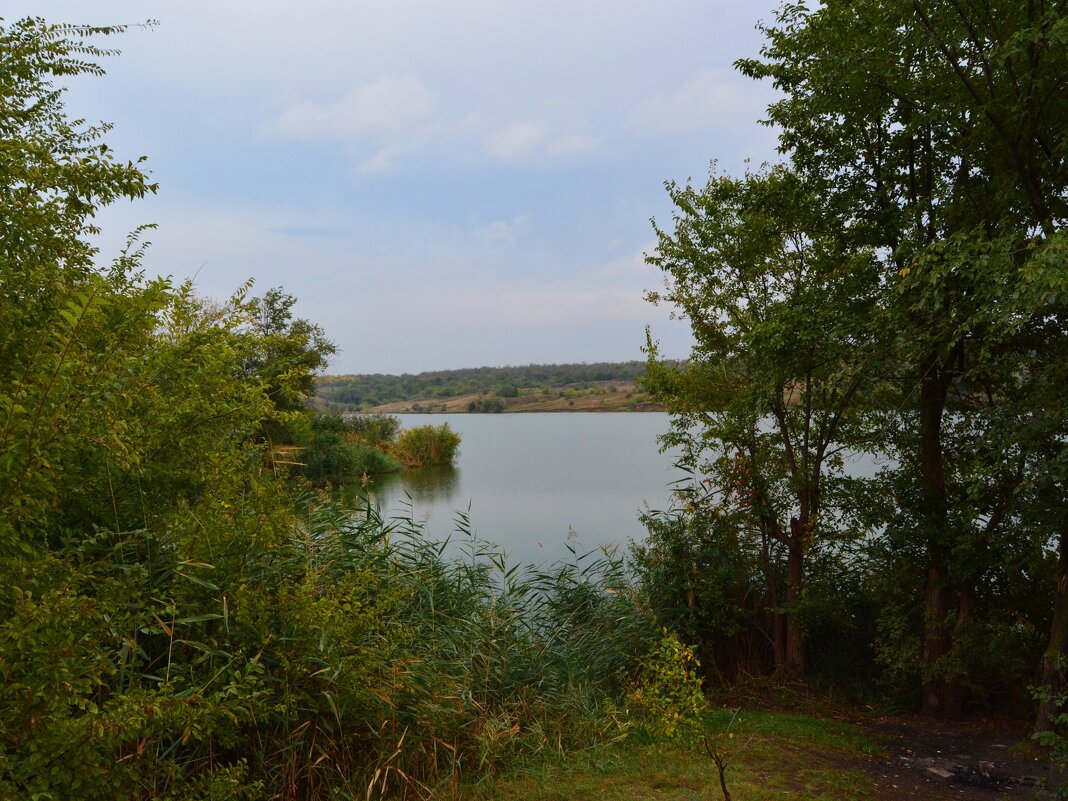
(780, 309)
(125, 437)
(285, 355)
(55, 174)
(940, 127)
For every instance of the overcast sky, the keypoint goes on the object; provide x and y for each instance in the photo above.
(441, 184)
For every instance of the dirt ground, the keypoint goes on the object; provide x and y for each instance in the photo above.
(937, 760)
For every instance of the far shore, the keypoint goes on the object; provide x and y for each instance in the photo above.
(608, 396)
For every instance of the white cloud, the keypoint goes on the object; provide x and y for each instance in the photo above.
(395, 117)
(573, 145)
(629, 266)
(516, 141)
(504, 231)
(388, 107)
(384, 160)
(525, 140)
(712, 100)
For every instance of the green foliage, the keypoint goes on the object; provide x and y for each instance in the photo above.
(424, 446)
(667, 693)
(701, 584)
(487, 406)
(376, 430)
(337, 450)
(286, 356)
(780, 309)
(939, 133)
(1055, 740)
(176, 621)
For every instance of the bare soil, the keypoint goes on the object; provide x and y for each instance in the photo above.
(938, 760)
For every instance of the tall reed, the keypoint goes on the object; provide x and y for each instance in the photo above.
(491, 661)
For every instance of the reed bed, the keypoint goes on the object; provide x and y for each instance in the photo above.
(490, 662)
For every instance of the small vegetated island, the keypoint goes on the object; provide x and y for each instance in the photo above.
(338, 448)
(184, 618)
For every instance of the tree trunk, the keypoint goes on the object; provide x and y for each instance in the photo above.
(940, 698)
(795, 571)
(772, 602)
(954, 690)
(1055, 660)
(937, 694)
(779, 642)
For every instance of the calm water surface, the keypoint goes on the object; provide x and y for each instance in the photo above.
(534, 482)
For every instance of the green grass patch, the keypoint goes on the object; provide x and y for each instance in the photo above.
(771, 755)
(806, 729)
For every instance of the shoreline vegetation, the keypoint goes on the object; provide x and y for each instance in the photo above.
(186, 614)
(338, 449)
(599, 387)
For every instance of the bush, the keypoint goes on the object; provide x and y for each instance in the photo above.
(376, 430)
(487, 406)
(333, 454)
(668, 692)
(369, 461)
(702, 580)
(425, 446)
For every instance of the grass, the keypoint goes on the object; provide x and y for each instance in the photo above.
(772, 755)
(799, 729)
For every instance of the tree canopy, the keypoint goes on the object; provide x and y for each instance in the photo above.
(933, 136)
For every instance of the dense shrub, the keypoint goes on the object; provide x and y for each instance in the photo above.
(702, 582)
(376, 430)
(719, 584)
(424, 446)
(335, 451)
(487, 406)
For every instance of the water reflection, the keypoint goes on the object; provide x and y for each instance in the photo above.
(426, 487)
(536, 483)
(532, 483)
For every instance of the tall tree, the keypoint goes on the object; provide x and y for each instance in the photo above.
(285, 355)
(941, 128)
(780, 311)
(55, 173)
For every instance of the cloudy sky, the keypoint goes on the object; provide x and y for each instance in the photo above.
(441, 184)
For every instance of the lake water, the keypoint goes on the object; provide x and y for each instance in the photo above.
(532, 483)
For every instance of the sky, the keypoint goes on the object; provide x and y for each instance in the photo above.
(440, 184)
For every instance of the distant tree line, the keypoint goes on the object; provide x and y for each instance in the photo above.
(351, 392)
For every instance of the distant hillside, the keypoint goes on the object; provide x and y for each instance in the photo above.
(534, 387)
